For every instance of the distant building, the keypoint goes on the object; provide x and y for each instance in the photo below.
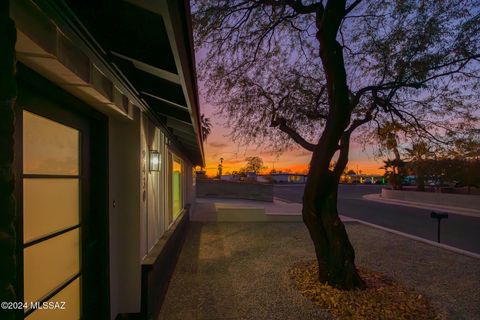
(230, 177)
(251, 176)
(263, 179)
(364, 179)
(289, 178)
(201, 174)
(248, 176)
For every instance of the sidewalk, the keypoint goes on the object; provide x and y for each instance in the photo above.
(428, 206)
(239, 270)
(236, 210)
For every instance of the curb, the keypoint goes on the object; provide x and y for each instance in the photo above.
(428, 206)
(433, 243)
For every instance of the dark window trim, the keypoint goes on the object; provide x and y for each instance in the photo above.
(53, 293)
(50, 176)
(50, 236)
(40, 96)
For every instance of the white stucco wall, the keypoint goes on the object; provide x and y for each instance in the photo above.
(124, 201)
(142, 203)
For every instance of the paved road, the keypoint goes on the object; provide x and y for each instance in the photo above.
(458, 231)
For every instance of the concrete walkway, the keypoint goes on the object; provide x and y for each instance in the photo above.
(236, 210)
(428, 206)
(239, 270)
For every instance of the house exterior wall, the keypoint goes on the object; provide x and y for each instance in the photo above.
(124, 208)
(142, 211)
(136, 218)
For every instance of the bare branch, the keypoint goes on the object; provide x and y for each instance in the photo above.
(296, 5)
(281, 123)
(358, 122)
(352, 6)
(343, 157)
(419, 84)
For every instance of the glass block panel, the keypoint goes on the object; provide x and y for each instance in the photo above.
(49, 205)
(71, 296)
(50, 263)
(49, 147)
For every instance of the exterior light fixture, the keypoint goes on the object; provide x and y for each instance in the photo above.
(155, 160)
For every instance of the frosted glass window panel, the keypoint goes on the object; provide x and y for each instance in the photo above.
(50, 263)
(49, 147)
(71, 296)
(49, 205)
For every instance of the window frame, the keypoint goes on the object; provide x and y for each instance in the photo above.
(38, 95)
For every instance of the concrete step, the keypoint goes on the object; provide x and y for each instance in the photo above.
(238, 213)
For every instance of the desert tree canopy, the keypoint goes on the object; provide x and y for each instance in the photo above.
(412, 62)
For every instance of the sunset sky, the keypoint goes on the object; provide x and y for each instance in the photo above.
(220, 145)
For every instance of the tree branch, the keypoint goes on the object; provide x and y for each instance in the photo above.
(387, 86)
(352, 6)
(343, 157)
(358, 122)
(281, 123)
(296, 5)
(419, 84)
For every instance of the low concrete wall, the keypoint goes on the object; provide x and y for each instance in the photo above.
(445, 199)
(158, 266)
(234, 190)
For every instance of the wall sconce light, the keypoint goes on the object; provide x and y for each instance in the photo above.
(155, 160)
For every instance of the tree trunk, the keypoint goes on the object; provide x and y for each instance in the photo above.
(334, 252)
(8, 94)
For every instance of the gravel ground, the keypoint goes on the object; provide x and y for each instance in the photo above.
(239, 271)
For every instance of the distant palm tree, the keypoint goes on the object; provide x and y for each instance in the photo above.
(206, 127)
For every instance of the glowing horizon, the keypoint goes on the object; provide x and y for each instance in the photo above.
(219, 145)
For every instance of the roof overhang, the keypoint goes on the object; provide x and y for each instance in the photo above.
(144, 48)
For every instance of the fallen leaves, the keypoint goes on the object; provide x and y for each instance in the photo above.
(382, 299)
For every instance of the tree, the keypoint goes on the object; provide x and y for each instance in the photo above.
(254, 164)
(417, 156)
(312, 72)
(8, 94)
(394, 172)
(351, 172)
(206, 127)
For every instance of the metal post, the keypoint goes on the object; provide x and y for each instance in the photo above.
(438, 231)
(439, 216)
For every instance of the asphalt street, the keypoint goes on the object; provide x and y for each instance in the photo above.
(457, 231)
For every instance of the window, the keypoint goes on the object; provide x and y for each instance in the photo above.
(51, 215)
(177, 173)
